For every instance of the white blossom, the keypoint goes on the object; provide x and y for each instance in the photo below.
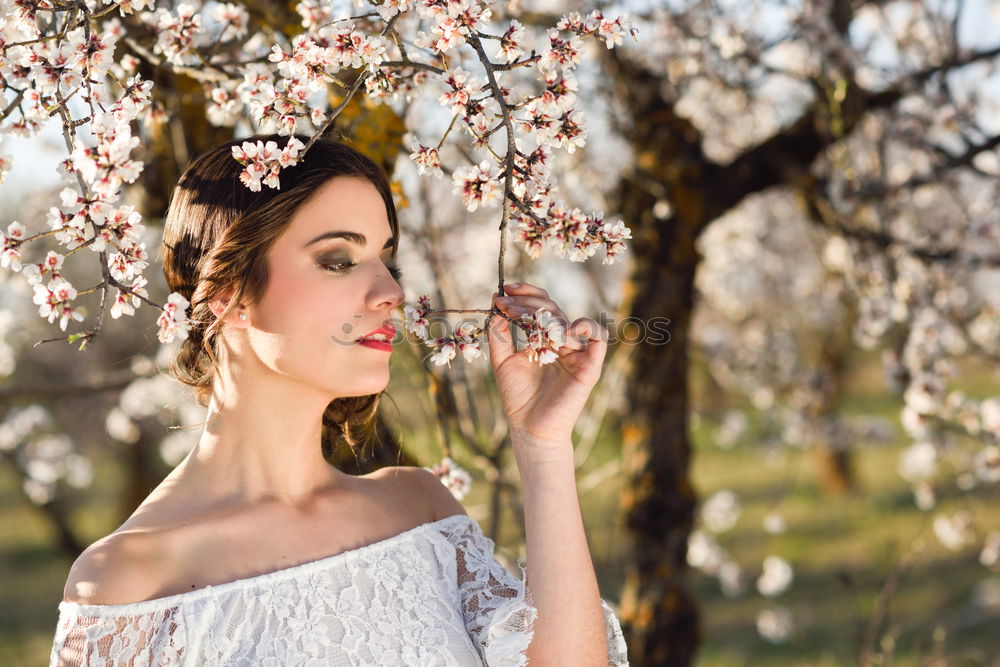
(426, 159)
(775, 624)
(776, 577)
(479, 185)
(173, 322)
(455, 479)
(546, 334)
(721, 511)
(918, 461)
(955, 531)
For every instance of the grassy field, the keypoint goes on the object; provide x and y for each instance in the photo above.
(842, 550)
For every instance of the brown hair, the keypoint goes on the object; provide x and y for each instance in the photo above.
(217, 234)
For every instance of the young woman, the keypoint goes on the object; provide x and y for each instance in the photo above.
(255, 550)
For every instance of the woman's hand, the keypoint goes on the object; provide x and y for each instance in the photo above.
(544, 401)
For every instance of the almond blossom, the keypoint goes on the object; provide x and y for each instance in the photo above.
(107, 166)
(478, 185)
(464, 340)
(264, 161)
(279, 82)
(234, 18)
(178, 34)
(456, 479)
(461, 90)
(510, 44)
(546, 334)
(125, 303)
(173, 323)
(10, 252)
(426, 159)
(54, 300)
(444, 350)
(416, 318)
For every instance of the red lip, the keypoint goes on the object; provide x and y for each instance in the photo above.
(389, 332)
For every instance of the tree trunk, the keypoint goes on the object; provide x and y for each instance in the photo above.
(657, 606)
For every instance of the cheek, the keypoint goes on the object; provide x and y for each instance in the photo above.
(308, 306)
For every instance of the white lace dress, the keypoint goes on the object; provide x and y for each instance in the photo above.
(433, 595)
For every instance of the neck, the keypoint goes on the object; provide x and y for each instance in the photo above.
(263, 444)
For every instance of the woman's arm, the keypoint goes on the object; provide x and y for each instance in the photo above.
(544, 388)
(569, 629)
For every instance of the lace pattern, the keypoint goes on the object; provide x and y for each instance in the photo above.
(433, 595)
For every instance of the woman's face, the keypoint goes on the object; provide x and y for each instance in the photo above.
(326, 291)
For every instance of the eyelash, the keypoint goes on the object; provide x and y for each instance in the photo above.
(393, 271)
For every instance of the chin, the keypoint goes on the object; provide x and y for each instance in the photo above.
(359, 389)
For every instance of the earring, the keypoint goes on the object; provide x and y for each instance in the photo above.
(243, 316)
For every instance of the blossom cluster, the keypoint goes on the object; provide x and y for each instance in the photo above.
(465, 340)
(456, 479)
(263, 161)
(44, 457)
(719, 514)
(545, 335)
(281, 82)
(571, 234)
(540, 122)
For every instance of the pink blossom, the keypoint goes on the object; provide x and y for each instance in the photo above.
(546, 335)
(173, 322)
(457, 480)
(467, 340)
(125, 303)
(462, 88)
(562, 52)
(10, 253)
(569, 131)
(234, 17)
(478, 185)
(427, 159)
(613, 235)
(129, 262)
(264, 161)
(108, 165)
(134, 100)
(444, 350)
(314, 12)
(226, 108)
(54, 299)
(510, 48)
(177, 34)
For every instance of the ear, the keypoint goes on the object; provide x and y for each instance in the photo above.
(218, 303)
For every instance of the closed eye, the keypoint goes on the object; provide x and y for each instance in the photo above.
(344, 267)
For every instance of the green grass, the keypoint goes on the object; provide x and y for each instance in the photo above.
(843, 550)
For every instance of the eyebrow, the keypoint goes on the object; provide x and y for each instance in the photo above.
(354, 237)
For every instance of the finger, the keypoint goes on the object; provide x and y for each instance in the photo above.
(587, 334)
(529, 304)
(500, 340)
(525, 289)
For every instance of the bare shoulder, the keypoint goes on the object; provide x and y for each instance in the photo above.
(424, 486)
(120, 568)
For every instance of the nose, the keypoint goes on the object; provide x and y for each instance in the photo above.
(387, 292)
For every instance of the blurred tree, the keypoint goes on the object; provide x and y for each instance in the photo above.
(855, 106)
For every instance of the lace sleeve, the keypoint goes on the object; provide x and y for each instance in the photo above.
(85, 636)
(497, 606)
